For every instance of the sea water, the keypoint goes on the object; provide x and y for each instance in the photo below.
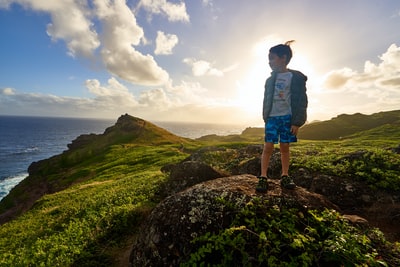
(24, 140)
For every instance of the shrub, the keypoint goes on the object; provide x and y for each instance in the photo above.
(268, 235)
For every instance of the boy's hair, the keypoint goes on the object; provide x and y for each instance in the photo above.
(283, 50)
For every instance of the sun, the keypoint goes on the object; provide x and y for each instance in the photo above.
(301, 63)
(250, 91)
(250, 87)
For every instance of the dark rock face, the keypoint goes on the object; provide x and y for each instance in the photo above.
(349, 194)
(82, 141)
(186, 174)
(164, 239)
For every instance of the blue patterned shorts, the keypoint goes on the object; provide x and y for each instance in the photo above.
(278, 129)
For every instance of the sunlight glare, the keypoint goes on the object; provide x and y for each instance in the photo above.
(250, 89)
(300, 62)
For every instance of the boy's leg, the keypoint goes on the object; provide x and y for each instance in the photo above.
(271, 137)
(286, 137)
(262, 185)
(265, 157)
(286, 180)
(285, 158)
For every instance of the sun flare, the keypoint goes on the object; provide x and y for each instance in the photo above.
(250, 89)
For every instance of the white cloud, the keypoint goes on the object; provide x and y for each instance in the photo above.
(384, 75)
(376, 88)
(174, 12)
(202, 68)
(121, 33)
(8, 91)
(206, 2)
(165, 43)
(187, 101)
(109, 100)
(155, 99)
(70, 22)
(113, 88)
(338, 78)
(73, 22)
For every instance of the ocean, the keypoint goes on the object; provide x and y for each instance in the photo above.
(24, 140)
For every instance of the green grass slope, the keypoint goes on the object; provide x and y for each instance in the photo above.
(345, 125)
(83, 207)
(86, 158)
(78, 206)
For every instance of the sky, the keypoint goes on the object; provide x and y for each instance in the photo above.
(200, 61)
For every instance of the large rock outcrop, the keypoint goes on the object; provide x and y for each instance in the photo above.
(165, 237)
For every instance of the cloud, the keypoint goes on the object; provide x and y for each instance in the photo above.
(155, 99)
(202, 68)
(165, 43)
(173, 12)
(384, 75)
(338, 78)
(207, 2)
(70, 22)
(8, 91)
(121, 33)
(108, 100)
(112, 89)
(73, 21)
(186, 101)
(375, 88)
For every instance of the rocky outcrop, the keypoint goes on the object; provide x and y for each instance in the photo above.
(165, 237)
(186, 174)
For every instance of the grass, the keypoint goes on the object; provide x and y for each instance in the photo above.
(111, 190)
(76, 224)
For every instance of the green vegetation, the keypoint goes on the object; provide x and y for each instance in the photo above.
(269, 235)
(83, 224)
(345, 125)
(105, 189)
(375, 165)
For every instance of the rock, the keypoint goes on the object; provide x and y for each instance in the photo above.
(344, 193)
(356, 220)
(82, 141)
(186, 174)
(165, 236)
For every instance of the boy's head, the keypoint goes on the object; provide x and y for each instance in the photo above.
(283, 50)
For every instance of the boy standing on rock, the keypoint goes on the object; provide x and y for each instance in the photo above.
(284, 112)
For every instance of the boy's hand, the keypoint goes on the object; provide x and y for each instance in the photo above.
(294, 129)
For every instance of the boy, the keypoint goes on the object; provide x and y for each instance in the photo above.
(284, 112)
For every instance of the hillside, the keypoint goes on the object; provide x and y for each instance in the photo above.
(139, 186)
(61, 171)
(345, 125)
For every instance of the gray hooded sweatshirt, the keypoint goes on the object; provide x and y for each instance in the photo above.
(298, 97)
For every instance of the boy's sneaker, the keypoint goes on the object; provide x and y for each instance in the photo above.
(287, 182)
(262, 185)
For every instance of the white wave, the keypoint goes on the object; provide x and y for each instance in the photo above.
(7, 184)
(31, 149)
